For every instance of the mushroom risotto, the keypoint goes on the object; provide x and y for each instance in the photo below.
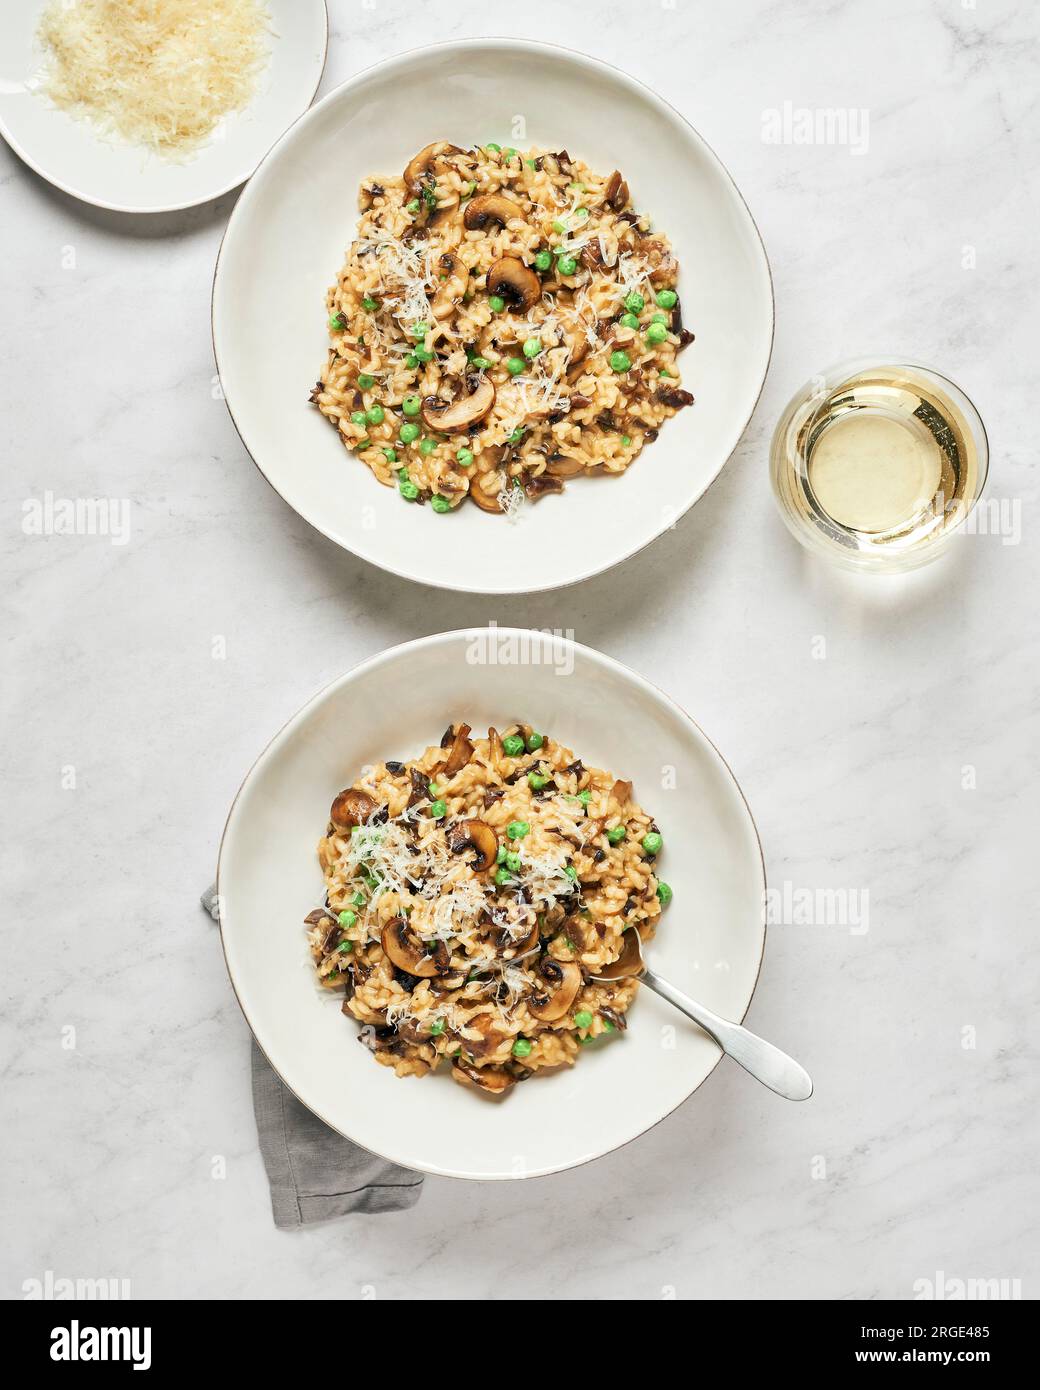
(473, 893)
(503, 322)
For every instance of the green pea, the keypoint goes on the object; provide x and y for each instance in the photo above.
(493, 146)
(365, 381)
(516, 436)
(359, 417)
(438, 809)
(358, 899)
(566, 265)
(500, 858)
(616, 834)
(411, 361)
(513, 745)
(423, 354)
(434, 789)
(338, 322)
(347, 918)
(502, 877)
(583, 1018)
(532, 347)
(411, 405)
(652, 843)
(665, 299)
(531, 164)
(522, 1048)
(635, 302)
(534, 741)
(508, 154)
(517, 829)
(464, 457)
(440, 504)
(409, 433)
(371, 305)
(408, 490)
(420, 331)
(536, 781)
(658, 318)
(656, 333)
(585, 797)
(571, 872)
(664, 894)
(664, 372)
(559, 227)
(543, 261)
(391, 457)
(626, 440)
(513, 862)
(582, 214)
(412, 206)
(427, 447)
(345, 946)
(629, 321)
(363, 444)
(436, 1027)
(620, 361)
(608, 1027)
(375, 414)
(515, 366)
(496, 303)
(481, 364)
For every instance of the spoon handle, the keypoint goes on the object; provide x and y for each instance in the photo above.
(761, 1059)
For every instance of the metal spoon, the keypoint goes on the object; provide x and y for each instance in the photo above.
(765, 1062)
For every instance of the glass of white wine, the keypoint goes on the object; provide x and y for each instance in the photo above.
(877, 464)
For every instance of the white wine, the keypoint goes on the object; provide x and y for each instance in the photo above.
(876, 464)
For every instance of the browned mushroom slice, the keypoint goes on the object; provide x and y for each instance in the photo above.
(461, 750)
(615, 194)
(406, 949)
(675, 399)
(536, 486)
(490, 209)
(451, 417)
(487, 501)
(420, 787)
(478, 836)
(420, 169)
(351, 807)
(515, 282)
(493, 1079)
(510, 949)
(621, 792)
(565, 466)
(562, 980)
(495, 750)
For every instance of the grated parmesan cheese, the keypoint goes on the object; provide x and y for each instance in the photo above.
(158, 73)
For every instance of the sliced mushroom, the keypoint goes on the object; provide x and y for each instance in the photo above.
(674, 399)
(420, 787)
(478, 836)
(490, 209)
(495, 750)
(563, 980)
(511, 949)
(420, 169)
(536, 486)
(451, 417)
(461, 750)
(405, 948)
(621, 792)
(515, 282)
(486, 500)
(615, 194)
(351, 807)
(493, 1079)
(565, 466)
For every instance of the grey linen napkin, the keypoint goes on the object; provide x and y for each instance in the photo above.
(315, 1174)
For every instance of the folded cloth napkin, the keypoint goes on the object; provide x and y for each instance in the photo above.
(316, 1174)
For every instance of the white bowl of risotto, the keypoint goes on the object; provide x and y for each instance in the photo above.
(564, 317)
(408, 904)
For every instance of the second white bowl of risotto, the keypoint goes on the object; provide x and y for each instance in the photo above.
(436, 859)
(490, 351)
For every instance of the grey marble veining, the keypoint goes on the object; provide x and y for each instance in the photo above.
(883, 732)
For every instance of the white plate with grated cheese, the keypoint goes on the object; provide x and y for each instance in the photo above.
(236, 74)
(709, 941)
(285, 243)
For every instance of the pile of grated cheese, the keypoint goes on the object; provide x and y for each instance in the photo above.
(157, 73)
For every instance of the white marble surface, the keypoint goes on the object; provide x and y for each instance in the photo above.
(917, 1154)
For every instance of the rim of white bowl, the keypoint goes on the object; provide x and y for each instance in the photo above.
(372, 663)
(139, 211)
(533, 46)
